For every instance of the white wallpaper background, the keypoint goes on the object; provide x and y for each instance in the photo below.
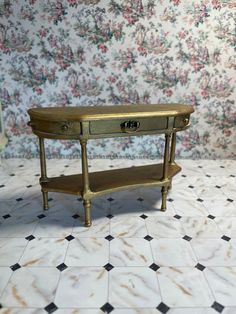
(92, 52)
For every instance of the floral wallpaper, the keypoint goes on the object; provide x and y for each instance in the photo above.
(99, 52)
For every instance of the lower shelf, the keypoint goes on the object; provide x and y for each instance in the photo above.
(111, 180)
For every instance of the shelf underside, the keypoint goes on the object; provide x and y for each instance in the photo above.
(106, 181)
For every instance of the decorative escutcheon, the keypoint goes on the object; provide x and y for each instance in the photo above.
(64, 127)
(130, 126)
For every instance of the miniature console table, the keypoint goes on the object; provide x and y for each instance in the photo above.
(84, 123)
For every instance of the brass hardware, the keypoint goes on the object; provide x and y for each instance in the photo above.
(130, 126)
(185, 121)
(89, 122)
(65, 127)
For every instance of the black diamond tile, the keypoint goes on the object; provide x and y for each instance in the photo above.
(148, 238)
(37, 175)
(222, 166)
(109, 237)
(211, 216)
(218, 307)
(191, 186)
(108, 267)
(187, 238)
(20, 166)
(50, 199)
(107, 308)
(110, 199)
(62, 175)
(15, 267)
(207, 175)
(12, 174)
(225, 238)
(140, 199)
(6, 216)
(177, 216)
(19, 199)
(232, 175)
(200, 200)
(50, 308)
(66, 166)
(111, 166)
(163, 308)
(154, 266)
(110, 216)
(2, 186)
(41, 216)
(200, 267)
(80, 199)
(218, 186)
(69, 237)
(143, 216)
(170, 200)
(30, 237)
(0, 306)
(199, 166)
(183, 175)
(62, 267)
(230, 200)
(75, 216)
(29, 186)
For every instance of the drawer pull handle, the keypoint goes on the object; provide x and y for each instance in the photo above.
(130, 126)
(185, 121)
(64, 127)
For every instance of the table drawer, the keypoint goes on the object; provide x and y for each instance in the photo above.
(55, 128)
(132, 125)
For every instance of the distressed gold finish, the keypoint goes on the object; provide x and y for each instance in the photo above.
(84, 123)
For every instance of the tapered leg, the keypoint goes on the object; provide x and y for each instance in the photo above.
(45, 200)
(87, 214)
(170, 185)
(43, 177)
(164, 191)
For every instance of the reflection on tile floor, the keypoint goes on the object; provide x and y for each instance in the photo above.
(134, 259)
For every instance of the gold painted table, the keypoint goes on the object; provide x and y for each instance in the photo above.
(84, 123)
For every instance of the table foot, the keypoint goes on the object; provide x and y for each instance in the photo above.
(164, 192)
(87, 214)
(45, 200)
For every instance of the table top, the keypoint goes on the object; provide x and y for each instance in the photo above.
(107, 112)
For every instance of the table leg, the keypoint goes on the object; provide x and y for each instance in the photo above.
(164, 189)
(43, 177)
(172, 154)
(86, 189)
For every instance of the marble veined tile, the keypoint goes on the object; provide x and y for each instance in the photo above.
(126, 207)
(200, 227)
(87, 251)
(79, 311)
(31, 287)
(222, 281)
(164, 227)
(136, 311)
(98, 229)
(220, 207)
(54, 226)
(85, 287)
(130, 252)
(210, 192)
(214, 252)
(44, 252)
(184, 286)
(172, 252)
(18, 228)
(227, 225)
(192, 310)
(230, 310)
(11, 250)
(131, 226)
(191, 207)
(133, 287)
(5, 274)
(21, 311)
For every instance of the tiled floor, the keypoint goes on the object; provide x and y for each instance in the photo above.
(134, 258)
